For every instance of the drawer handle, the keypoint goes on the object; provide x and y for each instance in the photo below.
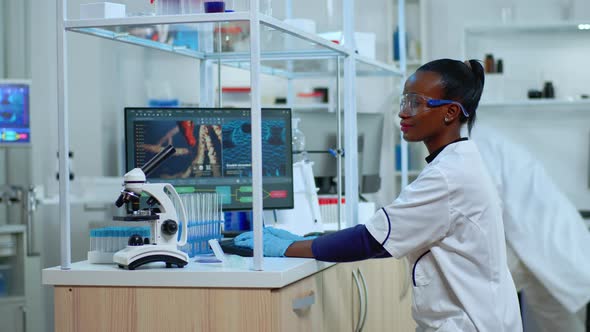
(364, 283)
(362, 306)
(303, 303)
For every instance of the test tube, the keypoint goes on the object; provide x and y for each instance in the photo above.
(120, 238)
(92, 239)
(111, 237)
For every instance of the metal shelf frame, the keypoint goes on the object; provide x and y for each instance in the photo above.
(252, 59)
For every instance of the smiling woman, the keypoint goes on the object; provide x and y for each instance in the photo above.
(448, 222)
(438, 99)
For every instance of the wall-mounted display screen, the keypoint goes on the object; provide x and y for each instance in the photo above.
(14, 113)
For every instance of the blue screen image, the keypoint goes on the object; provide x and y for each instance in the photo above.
(14, 113)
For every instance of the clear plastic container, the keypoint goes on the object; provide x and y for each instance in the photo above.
(139, 7)
(168, 7)
(266, 7)
(298, 141)
(191, 6)
(227, 37)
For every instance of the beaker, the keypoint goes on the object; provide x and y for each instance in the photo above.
(191, 6)
(168, 7)
(227, 35)
(214, 6)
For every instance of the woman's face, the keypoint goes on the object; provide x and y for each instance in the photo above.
(428, 122)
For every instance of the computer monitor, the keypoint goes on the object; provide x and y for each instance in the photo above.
(320, 131)
(14, 113)
(213, 152)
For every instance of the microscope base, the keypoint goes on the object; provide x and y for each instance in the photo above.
(133, 257)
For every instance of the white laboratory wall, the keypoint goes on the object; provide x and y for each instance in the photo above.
(558, 135)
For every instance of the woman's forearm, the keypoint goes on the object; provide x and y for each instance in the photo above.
(348, 245)
(300, 249)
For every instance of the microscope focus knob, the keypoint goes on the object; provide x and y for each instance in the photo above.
(169, 227)
(135, 240)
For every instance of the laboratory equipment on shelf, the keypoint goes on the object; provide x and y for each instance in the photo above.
(298, 141)
(212, 6)
(163, 245)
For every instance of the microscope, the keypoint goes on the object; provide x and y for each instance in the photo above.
(163, 245)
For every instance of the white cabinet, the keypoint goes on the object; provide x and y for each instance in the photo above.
(13, 314)
(362, 296)
(12, 277)
(371, 295)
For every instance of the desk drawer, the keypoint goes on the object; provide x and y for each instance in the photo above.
(298, 307)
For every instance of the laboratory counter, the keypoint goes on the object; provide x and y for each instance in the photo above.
(291, 294)
(234, 273)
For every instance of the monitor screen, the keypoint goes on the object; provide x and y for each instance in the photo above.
(14, 113)
(320, 131)
(213, 152)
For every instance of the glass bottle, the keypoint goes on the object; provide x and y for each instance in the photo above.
(489, 64)
(298, 141)
(548, 90)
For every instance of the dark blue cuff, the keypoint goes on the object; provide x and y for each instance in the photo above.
(348, 245)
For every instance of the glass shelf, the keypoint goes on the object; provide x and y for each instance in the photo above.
(536, 103)
(225, 37)
(175, 30)
(296, 107)
(318, 66)
(581, 27)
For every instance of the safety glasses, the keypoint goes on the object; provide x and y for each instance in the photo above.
(411, 102)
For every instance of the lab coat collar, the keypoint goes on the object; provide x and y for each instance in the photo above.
(439, 150)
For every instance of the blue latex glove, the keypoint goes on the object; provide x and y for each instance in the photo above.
(275, 241)
(283, 234)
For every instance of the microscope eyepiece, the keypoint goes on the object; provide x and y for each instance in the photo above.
(126, 197)
(120, 201)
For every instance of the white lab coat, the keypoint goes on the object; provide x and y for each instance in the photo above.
(449, 224)
(542, 226)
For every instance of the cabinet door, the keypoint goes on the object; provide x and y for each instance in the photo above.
(138, 309)
(380, 277)
(12, 316)
(387, 309)
(404, 322)
(298, 307)
(340, 296)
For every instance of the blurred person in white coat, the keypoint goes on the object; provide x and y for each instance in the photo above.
(548, 243)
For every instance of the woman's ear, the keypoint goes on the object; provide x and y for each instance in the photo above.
(453, 111)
